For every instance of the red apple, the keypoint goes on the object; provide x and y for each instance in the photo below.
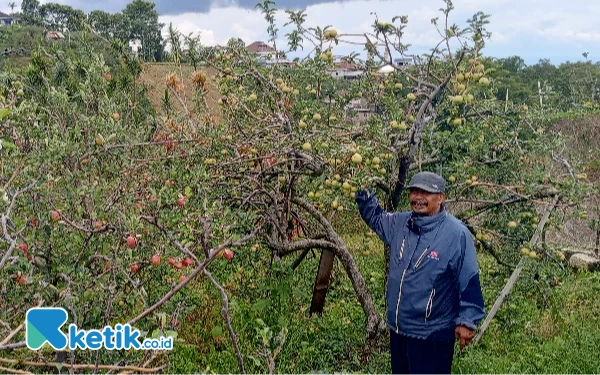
(131, 242)
(34, 222)
(172, 261)
(187, 262)
(178, 265)
(55, 215)
(156, 259)
(116, 116)
(228, 254)
(181, 202)
(182, 278)
(23, 247)
(134, 267)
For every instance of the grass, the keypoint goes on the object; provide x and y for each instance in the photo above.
(537, 330)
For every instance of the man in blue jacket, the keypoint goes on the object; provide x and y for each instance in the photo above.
(433, 291)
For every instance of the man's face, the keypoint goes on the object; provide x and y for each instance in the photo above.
(425, 203)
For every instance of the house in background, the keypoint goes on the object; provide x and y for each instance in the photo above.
(53, 35)
(266, 54)
(346, 70)
(6, 20)
(403, 62)
(135, 46)
(359, 110)
(261, 49)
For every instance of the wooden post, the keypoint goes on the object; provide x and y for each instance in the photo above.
(322, 282)
(515, 275)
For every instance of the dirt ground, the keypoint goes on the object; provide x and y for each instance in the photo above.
(582, 150)
(154, 77)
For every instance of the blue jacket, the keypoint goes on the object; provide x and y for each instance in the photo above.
(433, 284)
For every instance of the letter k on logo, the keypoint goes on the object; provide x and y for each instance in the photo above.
(42, 325)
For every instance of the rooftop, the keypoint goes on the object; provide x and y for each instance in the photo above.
(257, 47)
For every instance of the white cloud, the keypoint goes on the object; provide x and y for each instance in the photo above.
(518, 27)
(533, 29)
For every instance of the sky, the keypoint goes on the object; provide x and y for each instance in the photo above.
(557, 30)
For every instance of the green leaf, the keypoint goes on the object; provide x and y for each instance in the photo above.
(217, 331)
(8, 145)
(261, 304)
(172, 334)
(4, 112)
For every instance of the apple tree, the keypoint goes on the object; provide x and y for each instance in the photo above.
(290, 151)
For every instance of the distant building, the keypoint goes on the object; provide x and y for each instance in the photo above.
(403, 62)
(53, 35)
(135, 46)
(346, 70)
(385, 70)
(6, 20)
(266, 54)
(261, 48)
(360, 110)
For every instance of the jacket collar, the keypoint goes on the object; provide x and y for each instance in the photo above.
(425, 224)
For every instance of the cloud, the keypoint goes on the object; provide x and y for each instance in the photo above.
(533, 29)
(176, 7)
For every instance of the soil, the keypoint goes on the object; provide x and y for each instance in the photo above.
(154, 77)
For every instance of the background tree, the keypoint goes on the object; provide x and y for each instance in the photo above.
(145, 27)
(61, 17)
(31, 13)
(111, 26)
(193, 45)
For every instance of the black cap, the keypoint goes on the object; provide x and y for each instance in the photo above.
(428, 181)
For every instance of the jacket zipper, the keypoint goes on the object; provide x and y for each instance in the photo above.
(401, 250)
(398, 302)
(429, 306)
(418, 262)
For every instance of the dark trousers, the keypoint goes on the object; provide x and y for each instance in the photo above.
(419, 356)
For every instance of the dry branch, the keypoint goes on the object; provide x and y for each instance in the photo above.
(227, 319)
(83, 366)
(515, 275)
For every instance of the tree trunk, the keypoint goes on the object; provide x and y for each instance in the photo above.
(375, 325)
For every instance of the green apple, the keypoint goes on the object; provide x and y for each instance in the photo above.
(356, 158)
